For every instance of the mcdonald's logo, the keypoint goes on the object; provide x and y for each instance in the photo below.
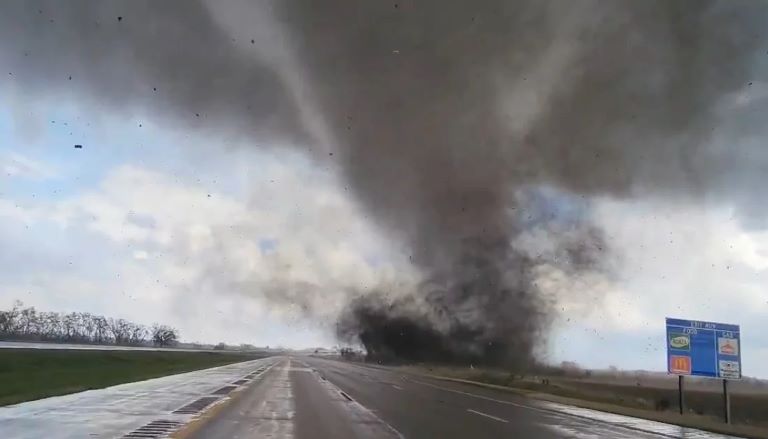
(680, 364)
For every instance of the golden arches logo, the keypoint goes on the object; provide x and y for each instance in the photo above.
(680, 364)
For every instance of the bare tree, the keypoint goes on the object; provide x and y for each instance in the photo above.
(137, 334)
(163, 335)
(88, 325)
(28, 320)
(19, 323)
(51, 326)
(70, 326)
(101, 330)
(119, 328)
(9, 319)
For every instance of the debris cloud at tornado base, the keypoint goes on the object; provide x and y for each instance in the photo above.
(448, 120)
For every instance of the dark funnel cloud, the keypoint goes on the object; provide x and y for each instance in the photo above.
(444, 117)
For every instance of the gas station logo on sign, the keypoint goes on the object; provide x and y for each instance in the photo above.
(727, 346)
(680, 341)
(703, 348)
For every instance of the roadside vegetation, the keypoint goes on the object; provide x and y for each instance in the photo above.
(28, 374)
(28, 324)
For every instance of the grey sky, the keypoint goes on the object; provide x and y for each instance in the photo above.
(402, 154)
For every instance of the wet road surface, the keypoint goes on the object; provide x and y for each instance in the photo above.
(308, 397)
(119, 410)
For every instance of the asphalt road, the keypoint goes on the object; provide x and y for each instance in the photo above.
(115, 411)
(308, 397)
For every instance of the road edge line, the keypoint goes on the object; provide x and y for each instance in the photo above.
(585, 404)
(745, 431)
(211, 412)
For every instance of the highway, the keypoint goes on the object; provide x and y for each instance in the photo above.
(309, 397)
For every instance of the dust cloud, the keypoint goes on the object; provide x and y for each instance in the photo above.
(445, 118)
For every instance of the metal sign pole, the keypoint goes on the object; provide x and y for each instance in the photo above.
(726, 402)
(680, 399)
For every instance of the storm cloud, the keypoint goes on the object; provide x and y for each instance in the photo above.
(448, 120)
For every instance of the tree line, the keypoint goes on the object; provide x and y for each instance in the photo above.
(28, 324)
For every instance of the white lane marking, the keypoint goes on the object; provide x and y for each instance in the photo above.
(397, 387)
(659, 429)
(500, 401)
(364, 414)
(487, 415)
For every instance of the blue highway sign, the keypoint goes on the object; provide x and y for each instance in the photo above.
(703, 349)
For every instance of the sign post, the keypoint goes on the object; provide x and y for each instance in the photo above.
(704, 349)
(726, 402)
(680, 397)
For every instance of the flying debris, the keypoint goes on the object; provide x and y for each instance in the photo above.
(491, 116)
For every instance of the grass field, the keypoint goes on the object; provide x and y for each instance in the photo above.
(27, 374)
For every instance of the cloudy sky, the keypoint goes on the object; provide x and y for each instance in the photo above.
(154, 222)
(127, 225)
(132, 224)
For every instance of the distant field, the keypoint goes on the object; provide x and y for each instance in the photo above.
(28, 374)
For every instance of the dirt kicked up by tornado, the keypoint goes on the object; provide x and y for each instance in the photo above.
(459, 127)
